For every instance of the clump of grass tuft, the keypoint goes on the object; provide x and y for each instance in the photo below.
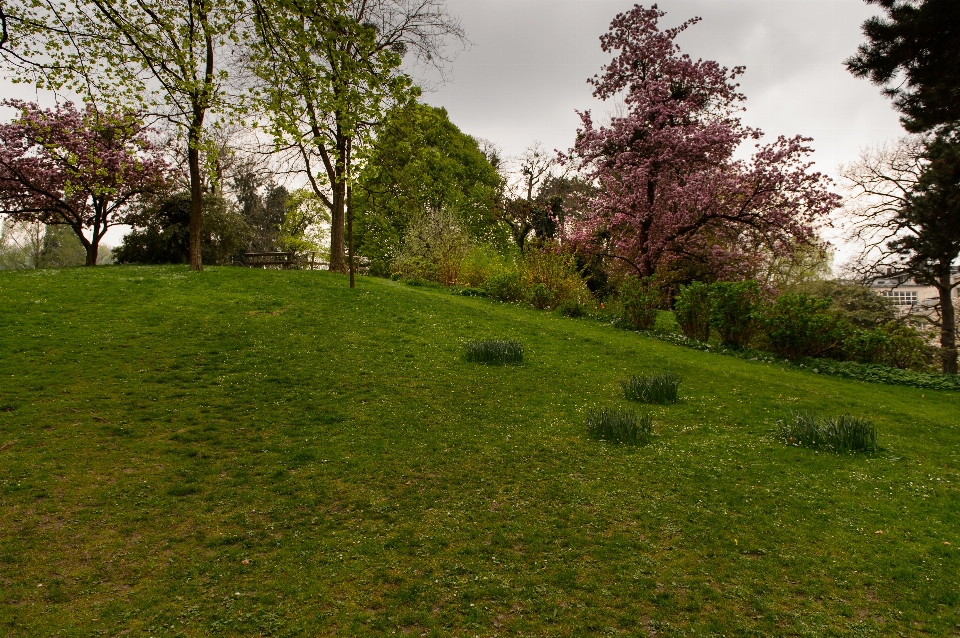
(495, 352)
(620, 426)
(841, 433)
(654, 388)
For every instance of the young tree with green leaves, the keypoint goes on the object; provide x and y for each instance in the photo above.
(419, 165)
(329, 71)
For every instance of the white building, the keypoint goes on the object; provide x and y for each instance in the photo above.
(911, 297)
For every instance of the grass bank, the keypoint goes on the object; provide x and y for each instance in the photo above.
(247, 452)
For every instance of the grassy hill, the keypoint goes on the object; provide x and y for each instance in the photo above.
(266, 453)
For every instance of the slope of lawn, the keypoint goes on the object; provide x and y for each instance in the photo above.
(267, 453)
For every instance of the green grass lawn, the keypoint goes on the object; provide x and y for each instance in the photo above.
(268, 453)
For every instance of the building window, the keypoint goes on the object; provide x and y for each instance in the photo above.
(901, 297)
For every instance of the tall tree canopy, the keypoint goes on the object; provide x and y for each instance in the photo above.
(329, 71)
(669, 186)
(914, 51)
(422, 162)
(82, 169)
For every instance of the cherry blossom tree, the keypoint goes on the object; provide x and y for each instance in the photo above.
(83, 169)
(669, 185)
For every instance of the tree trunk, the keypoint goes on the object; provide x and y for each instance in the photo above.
(948, 326)
(350, 233)
(200, 102)
(338, 261)
(196, 204)
(92, 250)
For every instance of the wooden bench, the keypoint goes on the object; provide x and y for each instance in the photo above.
(265, 260)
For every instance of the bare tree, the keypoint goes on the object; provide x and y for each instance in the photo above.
(521, 209)
(903, 230)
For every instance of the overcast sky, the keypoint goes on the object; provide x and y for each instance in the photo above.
(525, 74)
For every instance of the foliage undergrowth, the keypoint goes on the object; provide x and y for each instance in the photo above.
(873, 373)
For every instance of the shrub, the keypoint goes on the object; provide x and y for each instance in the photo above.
(481, 263)
(495, 352)
(552, 277)
(540, 297)
(573, 309)
(434, 248)
(619, 426)
(798, 325)
(655, 388)
(860, 305)
(506, 286)
(840, 433)
(732, 311)
(905, 347)
(692, 310)
(864, 346)
(639, 299)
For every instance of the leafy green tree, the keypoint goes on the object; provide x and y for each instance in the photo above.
(61, 248)
(161, 233)
(421, 163)
(329, 71)
(304, 226)
(32, 244)
(858, 304)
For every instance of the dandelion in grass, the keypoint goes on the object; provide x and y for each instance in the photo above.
(494, 352)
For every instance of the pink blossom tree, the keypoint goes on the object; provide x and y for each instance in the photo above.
(669, 186)
(83, 169)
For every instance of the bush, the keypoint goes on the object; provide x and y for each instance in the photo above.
(480, 264)
(732, 311)
(840, 433)
(860, 305)
(798, 325)
(434, 248)
(552, 278)
(540, 297)
(506, 286)
(639, 300)
(864, 346)
(573, 309)
(619, 426)
(906, 347)
(655, 388)
(692, 310)
(495, 352)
